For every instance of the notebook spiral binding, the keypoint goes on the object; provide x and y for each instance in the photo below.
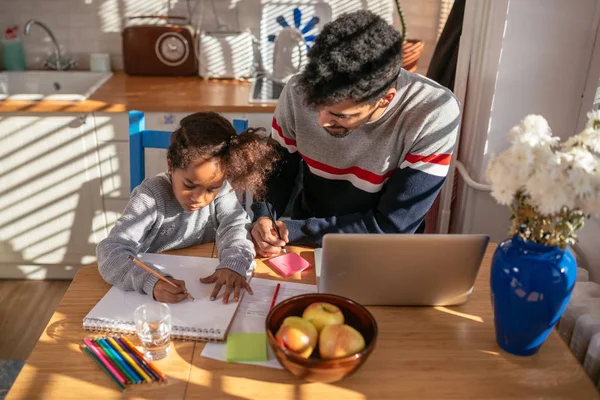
(128, 328)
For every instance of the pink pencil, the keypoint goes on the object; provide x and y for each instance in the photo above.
(106, 363)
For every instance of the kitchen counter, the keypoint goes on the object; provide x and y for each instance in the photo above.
(157, 93)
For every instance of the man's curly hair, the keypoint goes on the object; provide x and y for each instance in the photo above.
(357, 56)
(245, 159)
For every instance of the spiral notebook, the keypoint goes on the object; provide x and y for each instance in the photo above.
(200, 319)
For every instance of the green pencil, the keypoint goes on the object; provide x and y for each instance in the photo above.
(104, 368)
(115, 361)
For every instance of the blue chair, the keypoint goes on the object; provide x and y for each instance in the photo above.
(140, 139)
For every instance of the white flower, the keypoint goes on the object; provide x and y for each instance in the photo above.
(515, 133)
(549, 192)
(502, 176)
(582, 159)
(553, 177)
(522, 156)
(521, 159)
(503, 196)
(593, 120)
(581, 181)
(532, 131)
(536, 123)
(589, 138)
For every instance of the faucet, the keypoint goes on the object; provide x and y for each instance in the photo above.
(57, 61)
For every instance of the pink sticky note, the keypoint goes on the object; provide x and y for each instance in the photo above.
(289, 264)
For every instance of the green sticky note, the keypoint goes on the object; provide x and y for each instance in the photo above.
(246, 347)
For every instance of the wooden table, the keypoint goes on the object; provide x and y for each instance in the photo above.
(422, 352)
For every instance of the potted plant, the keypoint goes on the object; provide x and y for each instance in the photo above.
(551, 188)
(411, 49)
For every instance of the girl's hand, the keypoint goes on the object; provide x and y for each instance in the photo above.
(166, 293)
(232, 281)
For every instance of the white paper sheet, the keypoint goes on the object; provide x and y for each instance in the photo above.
(252, 314)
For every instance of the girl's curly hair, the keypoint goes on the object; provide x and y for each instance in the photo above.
(246, 159)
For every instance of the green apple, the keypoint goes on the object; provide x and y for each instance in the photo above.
(337, 341)
(323, 314)
(297, 335)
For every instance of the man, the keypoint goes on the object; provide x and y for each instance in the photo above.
(374, 141)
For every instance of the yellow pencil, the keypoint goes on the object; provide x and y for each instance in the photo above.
(129, 360)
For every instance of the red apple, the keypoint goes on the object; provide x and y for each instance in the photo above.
(323, 314)
(297, 335)
(337, 341)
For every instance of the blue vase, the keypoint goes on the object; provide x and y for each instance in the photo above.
(531, 285)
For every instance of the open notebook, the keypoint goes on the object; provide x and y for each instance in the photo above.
(200, 319)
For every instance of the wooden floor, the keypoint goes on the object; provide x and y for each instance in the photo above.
(25, 308)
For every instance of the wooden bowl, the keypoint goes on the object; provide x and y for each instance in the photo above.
(314, 369)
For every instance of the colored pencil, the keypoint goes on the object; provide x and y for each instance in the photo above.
(140, 362)
(102, 346)
(156, 274)
(128, 359)
(116, 359)
(141, 356)
(275, 296)
(113, 377)
(96, 345)
(138, 378)
(105, 361)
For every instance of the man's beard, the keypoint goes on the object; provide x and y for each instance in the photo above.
(339, 134)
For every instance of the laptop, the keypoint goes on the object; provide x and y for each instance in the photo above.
(400, 270)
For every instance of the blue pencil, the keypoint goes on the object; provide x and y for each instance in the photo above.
(119, 359)
(135, 358)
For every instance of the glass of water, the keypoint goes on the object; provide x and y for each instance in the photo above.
(153, 327)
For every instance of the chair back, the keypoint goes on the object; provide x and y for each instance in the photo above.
(140, 139)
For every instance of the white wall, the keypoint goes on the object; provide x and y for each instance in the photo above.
(92, 26)
(546, 49)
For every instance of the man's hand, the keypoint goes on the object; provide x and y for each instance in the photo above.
(265, 238)
(166, 293)
(232, 281)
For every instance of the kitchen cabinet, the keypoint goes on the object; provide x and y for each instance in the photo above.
(52, 212)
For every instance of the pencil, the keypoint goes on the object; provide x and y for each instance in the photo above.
(141, 356)
(105, 361)
(100, 347)
(128, 359)
(156, 274)
(275, 225)
(275, 296)
(113, 377)
(141, 363)
(118, 360)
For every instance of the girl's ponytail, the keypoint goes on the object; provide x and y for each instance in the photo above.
(248, 160)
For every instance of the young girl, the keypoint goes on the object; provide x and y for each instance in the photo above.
(193, 203)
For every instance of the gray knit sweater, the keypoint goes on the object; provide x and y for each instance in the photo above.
(154, 221)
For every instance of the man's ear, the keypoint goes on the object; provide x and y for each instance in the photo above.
(388, 97)
(168, 165)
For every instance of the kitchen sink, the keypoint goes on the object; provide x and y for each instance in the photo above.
(50, 85)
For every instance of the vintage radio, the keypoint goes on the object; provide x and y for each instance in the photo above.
(153, 49)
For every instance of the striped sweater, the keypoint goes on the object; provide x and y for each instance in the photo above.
(381, 178)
